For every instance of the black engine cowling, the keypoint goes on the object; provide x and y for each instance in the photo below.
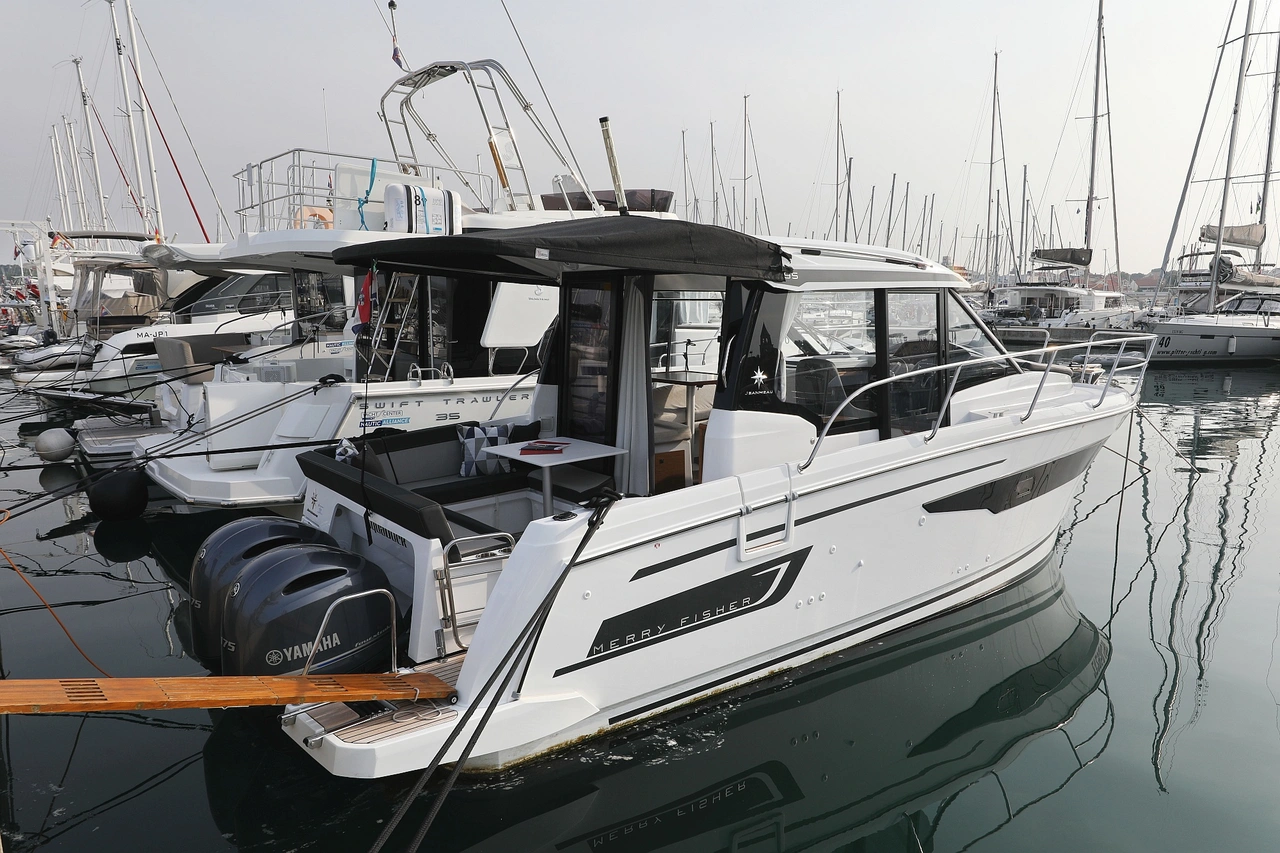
(275, 607)
(218, 564)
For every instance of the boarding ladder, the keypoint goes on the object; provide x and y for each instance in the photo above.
(394, 313)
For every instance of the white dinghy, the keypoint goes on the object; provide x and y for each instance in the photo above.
(851, 483)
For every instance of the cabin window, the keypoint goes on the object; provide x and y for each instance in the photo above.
(587, 409)
(684, 331)
(967, 339)
(806, 352)
(320, 299)
(912, 326)
(1252, 305)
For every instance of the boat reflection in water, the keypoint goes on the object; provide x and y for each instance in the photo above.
(1223, 424)
(922, 740)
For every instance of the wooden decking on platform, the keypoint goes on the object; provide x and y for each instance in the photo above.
(77, 695)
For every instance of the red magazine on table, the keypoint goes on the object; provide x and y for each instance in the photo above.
(540, 447)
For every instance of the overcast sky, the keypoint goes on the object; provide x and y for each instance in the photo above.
(253, 79)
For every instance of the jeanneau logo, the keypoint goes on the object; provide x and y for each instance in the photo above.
(759, 378)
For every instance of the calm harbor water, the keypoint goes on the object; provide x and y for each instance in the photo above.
(1125, 697)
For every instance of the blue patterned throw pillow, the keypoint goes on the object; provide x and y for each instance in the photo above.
(476, 438)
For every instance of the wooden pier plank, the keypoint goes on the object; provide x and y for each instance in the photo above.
(78, 695)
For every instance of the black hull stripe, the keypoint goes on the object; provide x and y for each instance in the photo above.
(711, 685)
(1019, 488)
(721, 546)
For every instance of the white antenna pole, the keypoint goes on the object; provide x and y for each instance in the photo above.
(1231, 153)
(75, 171)
(146, 118)
(62, 179)
(128, 113)
(619, 193)
(93, 146)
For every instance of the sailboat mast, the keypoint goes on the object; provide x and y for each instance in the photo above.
(73, 157)
(1093, 142)
(1231, 154)
(835, 234)
(1266, 173)
(744, 162)
(146, 118)
(715, 194)
(906, 206)
(93, 146)
(62, 179)
(991, 171)
(684, 173)
(128, 112)
(888, 228)
(1022, 239)
(1111, 163)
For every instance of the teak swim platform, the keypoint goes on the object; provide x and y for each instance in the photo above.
(77, 695)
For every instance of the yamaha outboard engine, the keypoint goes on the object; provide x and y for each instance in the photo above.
(218, 564)
(277, 605)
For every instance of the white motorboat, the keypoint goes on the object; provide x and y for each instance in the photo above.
(843, 495)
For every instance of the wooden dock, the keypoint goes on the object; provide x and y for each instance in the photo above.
(78, 695)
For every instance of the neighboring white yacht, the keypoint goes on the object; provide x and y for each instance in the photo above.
(1065, 305)
(848, 487)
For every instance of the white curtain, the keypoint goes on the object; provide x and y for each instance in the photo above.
(635, 402)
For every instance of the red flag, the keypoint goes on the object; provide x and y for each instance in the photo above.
(364, 305)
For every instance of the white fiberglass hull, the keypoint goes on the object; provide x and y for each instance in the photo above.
(686, 594)
(1217, 339)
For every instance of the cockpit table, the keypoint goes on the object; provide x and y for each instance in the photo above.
(575, 450)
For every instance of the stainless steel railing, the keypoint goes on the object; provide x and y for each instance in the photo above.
(1052, 352)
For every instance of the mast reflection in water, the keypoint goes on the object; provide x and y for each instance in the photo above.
(913, 742)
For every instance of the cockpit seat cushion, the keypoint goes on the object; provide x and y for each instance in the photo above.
(571, 483)
(474, 440)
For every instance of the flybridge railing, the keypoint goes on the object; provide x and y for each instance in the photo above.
(1118, 365)
(308, 188)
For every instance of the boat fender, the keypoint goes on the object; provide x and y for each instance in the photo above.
(119, 496)
(220, 560)
(122, 541)
(1231, 345)
(278, 603)
(331, 379)
(55, 445)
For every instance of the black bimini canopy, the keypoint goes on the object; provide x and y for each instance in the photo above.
(628, 244)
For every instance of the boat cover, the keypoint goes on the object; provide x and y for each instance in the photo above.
(1071, 257)
(1247, 236)
(633, 244)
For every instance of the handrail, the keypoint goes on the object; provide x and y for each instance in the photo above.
(447, 576)
(503, 398)
(270, 333)
(324, 623)
(991, 359)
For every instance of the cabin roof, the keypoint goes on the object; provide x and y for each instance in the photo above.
(630, 244)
